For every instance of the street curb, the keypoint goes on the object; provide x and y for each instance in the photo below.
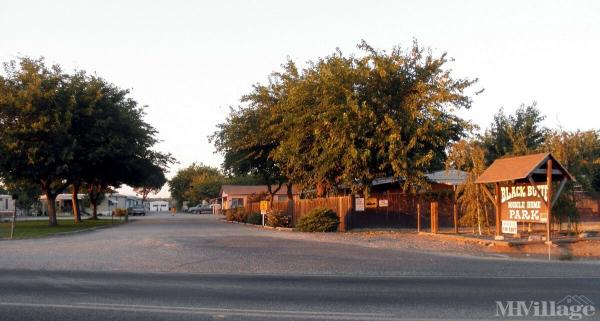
(286, 229)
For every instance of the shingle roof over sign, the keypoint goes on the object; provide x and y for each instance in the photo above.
(517, 168)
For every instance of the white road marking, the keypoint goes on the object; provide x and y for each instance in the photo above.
(223, 312)
(211, 311)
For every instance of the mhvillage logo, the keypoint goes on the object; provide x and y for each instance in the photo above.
(572, 307)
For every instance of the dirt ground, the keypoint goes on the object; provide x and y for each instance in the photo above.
(581, 250)
(447, 243)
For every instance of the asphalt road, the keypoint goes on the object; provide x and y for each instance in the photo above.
(196, 268)
(131, 296)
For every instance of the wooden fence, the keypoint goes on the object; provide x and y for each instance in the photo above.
(341, 205)
(588, 206)
(401, 211)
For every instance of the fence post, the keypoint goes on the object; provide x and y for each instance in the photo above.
(455, 209)
(342, 226)
(350, 212)
(434, 217)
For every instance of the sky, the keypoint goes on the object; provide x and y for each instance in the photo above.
(189, 61)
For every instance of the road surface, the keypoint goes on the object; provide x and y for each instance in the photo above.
(198, 268)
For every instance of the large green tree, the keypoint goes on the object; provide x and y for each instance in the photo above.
(579, 152)
(116, 144)
(196, 183)
(246, 143)
(514, 135)
(36, 110)
(61, 130)
(152, 179)
(469, 156)
(346, 120)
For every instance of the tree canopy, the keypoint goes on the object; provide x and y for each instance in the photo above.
(196, 183)
(515, 135)
(59, 129)
(347, 120)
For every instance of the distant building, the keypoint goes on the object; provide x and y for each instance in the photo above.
(237, 195)
(7, 204)
(110, 202)
(158, 204)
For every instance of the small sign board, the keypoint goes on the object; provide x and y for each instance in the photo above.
(371, 202)
(383, 203)
(509, 227)
(359, 204)
(264, 207)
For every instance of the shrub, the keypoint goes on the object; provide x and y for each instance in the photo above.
(278, 219)
(254, 218)
(229, 214)
(319, 220)
(119, 212)
(240, 215)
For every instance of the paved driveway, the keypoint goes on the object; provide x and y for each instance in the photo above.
(205, 244)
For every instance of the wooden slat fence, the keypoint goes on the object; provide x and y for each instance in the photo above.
(401, 211)
(341, 205)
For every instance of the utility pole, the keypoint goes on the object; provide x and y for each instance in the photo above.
(549, 205)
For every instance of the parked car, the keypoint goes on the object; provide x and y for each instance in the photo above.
(200, 208)
(190, 209)
(137, 210)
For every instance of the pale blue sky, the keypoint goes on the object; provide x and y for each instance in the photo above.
(190, 60)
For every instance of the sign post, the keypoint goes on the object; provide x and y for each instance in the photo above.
(14, 216)
(498, 207)
(264, 207)
(454, 209)
(549, 198)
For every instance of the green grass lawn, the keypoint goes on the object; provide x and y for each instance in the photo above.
(27, 229)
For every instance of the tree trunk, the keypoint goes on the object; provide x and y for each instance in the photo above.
(93, 200)
(478, 213)
(320, 190)
(75, 204)
(272, 193)
(51, 200)
(95, 210)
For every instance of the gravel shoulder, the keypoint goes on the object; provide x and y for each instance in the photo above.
(409, 240)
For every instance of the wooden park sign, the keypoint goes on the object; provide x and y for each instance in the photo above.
(523, 189)
(524, 203)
